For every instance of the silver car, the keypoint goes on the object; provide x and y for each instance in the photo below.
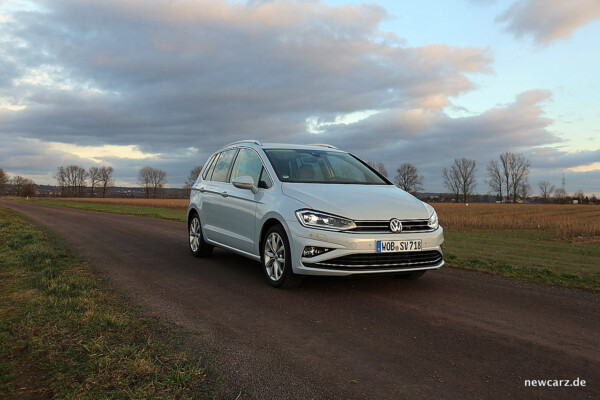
(310, 210)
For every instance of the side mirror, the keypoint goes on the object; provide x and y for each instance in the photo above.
(245, 182)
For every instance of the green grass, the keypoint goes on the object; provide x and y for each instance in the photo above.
(154, 212)
(531, 256)
(63, 335)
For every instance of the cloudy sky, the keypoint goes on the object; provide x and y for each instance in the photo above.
(130, 83)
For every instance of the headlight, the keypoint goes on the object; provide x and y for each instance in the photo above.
(315, 219)
(433, 222)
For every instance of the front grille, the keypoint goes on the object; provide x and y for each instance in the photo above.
(408, 226)
(372, 261)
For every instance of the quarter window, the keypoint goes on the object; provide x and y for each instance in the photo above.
(208, 166)
(222, 166)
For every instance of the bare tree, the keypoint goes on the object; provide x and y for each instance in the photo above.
(460, 178)
(3, 181)
(17, 183)
(27, 189)
(524, 190)
(546, 190)
(505, 163)
(71, 180)
(495, 177)
(560, 194)
(519, 172)
(379, 167)
(152, 179)
(106, 178)
(452, 181)
(515, 170)
(94, 174)
(191, 179)
(408, 178)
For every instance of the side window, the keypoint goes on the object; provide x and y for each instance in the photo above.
(211, 169)
(222, 166)
(264, 182)
(208, 166)
(247, 163)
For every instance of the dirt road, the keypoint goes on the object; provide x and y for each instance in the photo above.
(452, 334)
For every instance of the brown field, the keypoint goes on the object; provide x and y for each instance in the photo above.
(562, 221)
(174, 204)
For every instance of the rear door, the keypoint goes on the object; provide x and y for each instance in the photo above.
(212, 191)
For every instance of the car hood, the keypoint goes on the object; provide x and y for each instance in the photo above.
(358, 202)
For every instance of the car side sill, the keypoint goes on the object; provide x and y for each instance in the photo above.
(240, 252)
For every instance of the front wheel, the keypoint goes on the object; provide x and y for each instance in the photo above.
(277, 259)
(198, 247)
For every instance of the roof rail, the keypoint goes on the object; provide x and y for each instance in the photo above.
(323, 145)
(257, 142)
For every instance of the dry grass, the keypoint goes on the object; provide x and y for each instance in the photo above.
(565, 221)
(174, 204)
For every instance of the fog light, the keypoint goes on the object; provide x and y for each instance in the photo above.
(312, 251)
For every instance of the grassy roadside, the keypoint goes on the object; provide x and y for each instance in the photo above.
(62, 335)
(526, 256)
(533, 256)
(143, 211)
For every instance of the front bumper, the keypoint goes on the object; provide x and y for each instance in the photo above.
(355, 253)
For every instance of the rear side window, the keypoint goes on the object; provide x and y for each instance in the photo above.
(208, 166)
(222, 166)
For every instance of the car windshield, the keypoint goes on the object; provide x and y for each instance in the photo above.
(321, 166)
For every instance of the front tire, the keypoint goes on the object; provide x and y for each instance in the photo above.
(277, 259)
(198, 247)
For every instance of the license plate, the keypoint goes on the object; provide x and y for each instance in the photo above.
(392, 246)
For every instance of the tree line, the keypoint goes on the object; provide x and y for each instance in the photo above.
(507, 177)
(72, 180)
(16, 186)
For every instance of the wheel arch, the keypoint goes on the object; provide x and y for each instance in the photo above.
(191, 211)
(270, 222)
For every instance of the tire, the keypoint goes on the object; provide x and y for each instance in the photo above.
(411, 275)
(198, 247)
(276, 259)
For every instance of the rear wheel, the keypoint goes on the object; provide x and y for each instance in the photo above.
(198, 247)
(411, 275)
(277, 259)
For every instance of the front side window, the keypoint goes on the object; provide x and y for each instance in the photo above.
(247, 163)
(321, 166)
(222, 166)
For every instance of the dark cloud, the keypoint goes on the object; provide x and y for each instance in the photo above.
(183, 78)
(165, 74)
(549, 20)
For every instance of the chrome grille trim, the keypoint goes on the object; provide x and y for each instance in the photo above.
(408, 226)
(373, 261)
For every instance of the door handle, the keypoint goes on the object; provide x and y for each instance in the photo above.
(201, 189)
(224, 194)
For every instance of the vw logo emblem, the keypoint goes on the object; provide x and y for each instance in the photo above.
(395, 225)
